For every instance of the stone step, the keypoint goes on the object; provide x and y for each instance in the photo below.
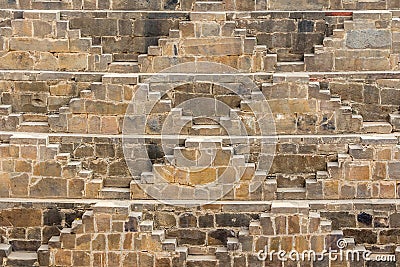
(395, 121)
(36, 127)
(11, 121)
(208, 16)
(158, 235)
(291, 193)
(290, 66)
(204, 6)
(148, 177)
(31, 117)
(146, 226)
(233, 244)
(125, 57)
(199, 142)
(377, 127)
(322, 175)
(43, 254)
(169, 244)
(201, 261)
(338, 33)
(202, 250)
(120, 182)
(290, 181)
(115, 193)
(206, 130)
(5, 109)
(55, 242)
(124, 67)
(206, 121)
(21, 258)
(87, 174)
(86, 94)
(5, 250)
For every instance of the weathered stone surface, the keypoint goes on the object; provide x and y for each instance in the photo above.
(361, 39)
(21, 217)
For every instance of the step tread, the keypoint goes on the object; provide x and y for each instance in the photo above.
(34, 123)
(201, 258)
(22, 255)
(291, 189)
(115, 189)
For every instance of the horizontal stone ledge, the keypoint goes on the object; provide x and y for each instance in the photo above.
(225, 206)
(39, 75)
(331, 139)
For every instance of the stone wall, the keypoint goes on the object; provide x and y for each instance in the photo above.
(280, 130)
(166, 5)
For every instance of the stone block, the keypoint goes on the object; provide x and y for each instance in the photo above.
(357, 171)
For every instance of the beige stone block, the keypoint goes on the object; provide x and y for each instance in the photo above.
(114, 259)
(77, 124)
(23, 166)
(22, 27)
(48, 187)
(48, 168)
(203, 176)
(5, 151)
(187, 29)
(83, 241)
(137, 192)
(63, 89)
(109, 125)
(212, 47)
(99, 242)
(379, 170)
(357, 171)
(42, 29)
(99, 259)
(127, 241)
(167, 172)
(287, 243)
(76, 62)
(76, 188)
(39, 44)
(63, 257)
(46, 61)
(347, 191)
(285, 123)
(19, 185)
(301, 243)
(331, 189)
(387, 189)
(81, 258)
(17, 60)
(384, 153)
(114, 241)
(317, 243)
(6, 184)
(29, 152)
(242, 191)
(94, 124)
(103, 223)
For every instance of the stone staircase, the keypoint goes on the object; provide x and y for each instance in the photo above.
(41, 170)
(340, 55)
(208, 25)
(352, 175)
